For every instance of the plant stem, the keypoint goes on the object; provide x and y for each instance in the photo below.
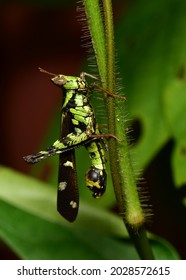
(96, 28)
(123, 175)
(111, 86)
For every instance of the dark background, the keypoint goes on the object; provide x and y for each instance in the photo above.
(32, 37)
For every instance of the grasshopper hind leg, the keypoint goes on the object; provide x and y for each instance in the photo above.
(34, 158)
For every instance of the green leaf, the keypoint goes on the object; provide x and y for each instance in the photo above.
(23, 232)
(39, 198)
(175, 112)
(28, 219)
(152, 56)
(27, 193)
(35, 238)
(163, 250)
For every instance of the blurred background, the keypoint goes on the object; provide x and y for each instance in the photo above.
(33, 34)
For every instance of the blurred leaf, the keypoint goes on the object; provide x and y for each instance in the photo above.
(28, 219)
(23, 232)
(27, 193)
(163, 250)
(175, 112)
(39, 198)
(35, 238)
(152, 56)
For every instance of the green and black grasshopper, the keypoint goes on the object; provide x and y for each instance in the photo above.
(78, 127)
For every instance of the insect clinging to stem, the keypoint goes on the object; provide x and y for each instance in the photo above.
(78, 127)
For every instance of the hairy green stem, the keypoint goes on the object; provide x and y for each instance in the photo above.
(123, 175)
(124, 180)
(96, 28)
(111, 86)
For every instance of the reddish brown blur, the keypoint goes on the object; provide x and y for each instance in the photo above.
(33, 37)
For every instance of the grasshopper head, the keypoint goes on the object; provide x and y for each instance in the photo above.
(69, 82)
(60, 80)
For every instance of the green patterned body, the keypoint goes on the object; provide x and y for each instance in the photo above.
(78, 127)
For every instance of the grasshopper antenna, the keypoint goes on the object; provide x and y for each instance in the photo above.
(46, 72)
